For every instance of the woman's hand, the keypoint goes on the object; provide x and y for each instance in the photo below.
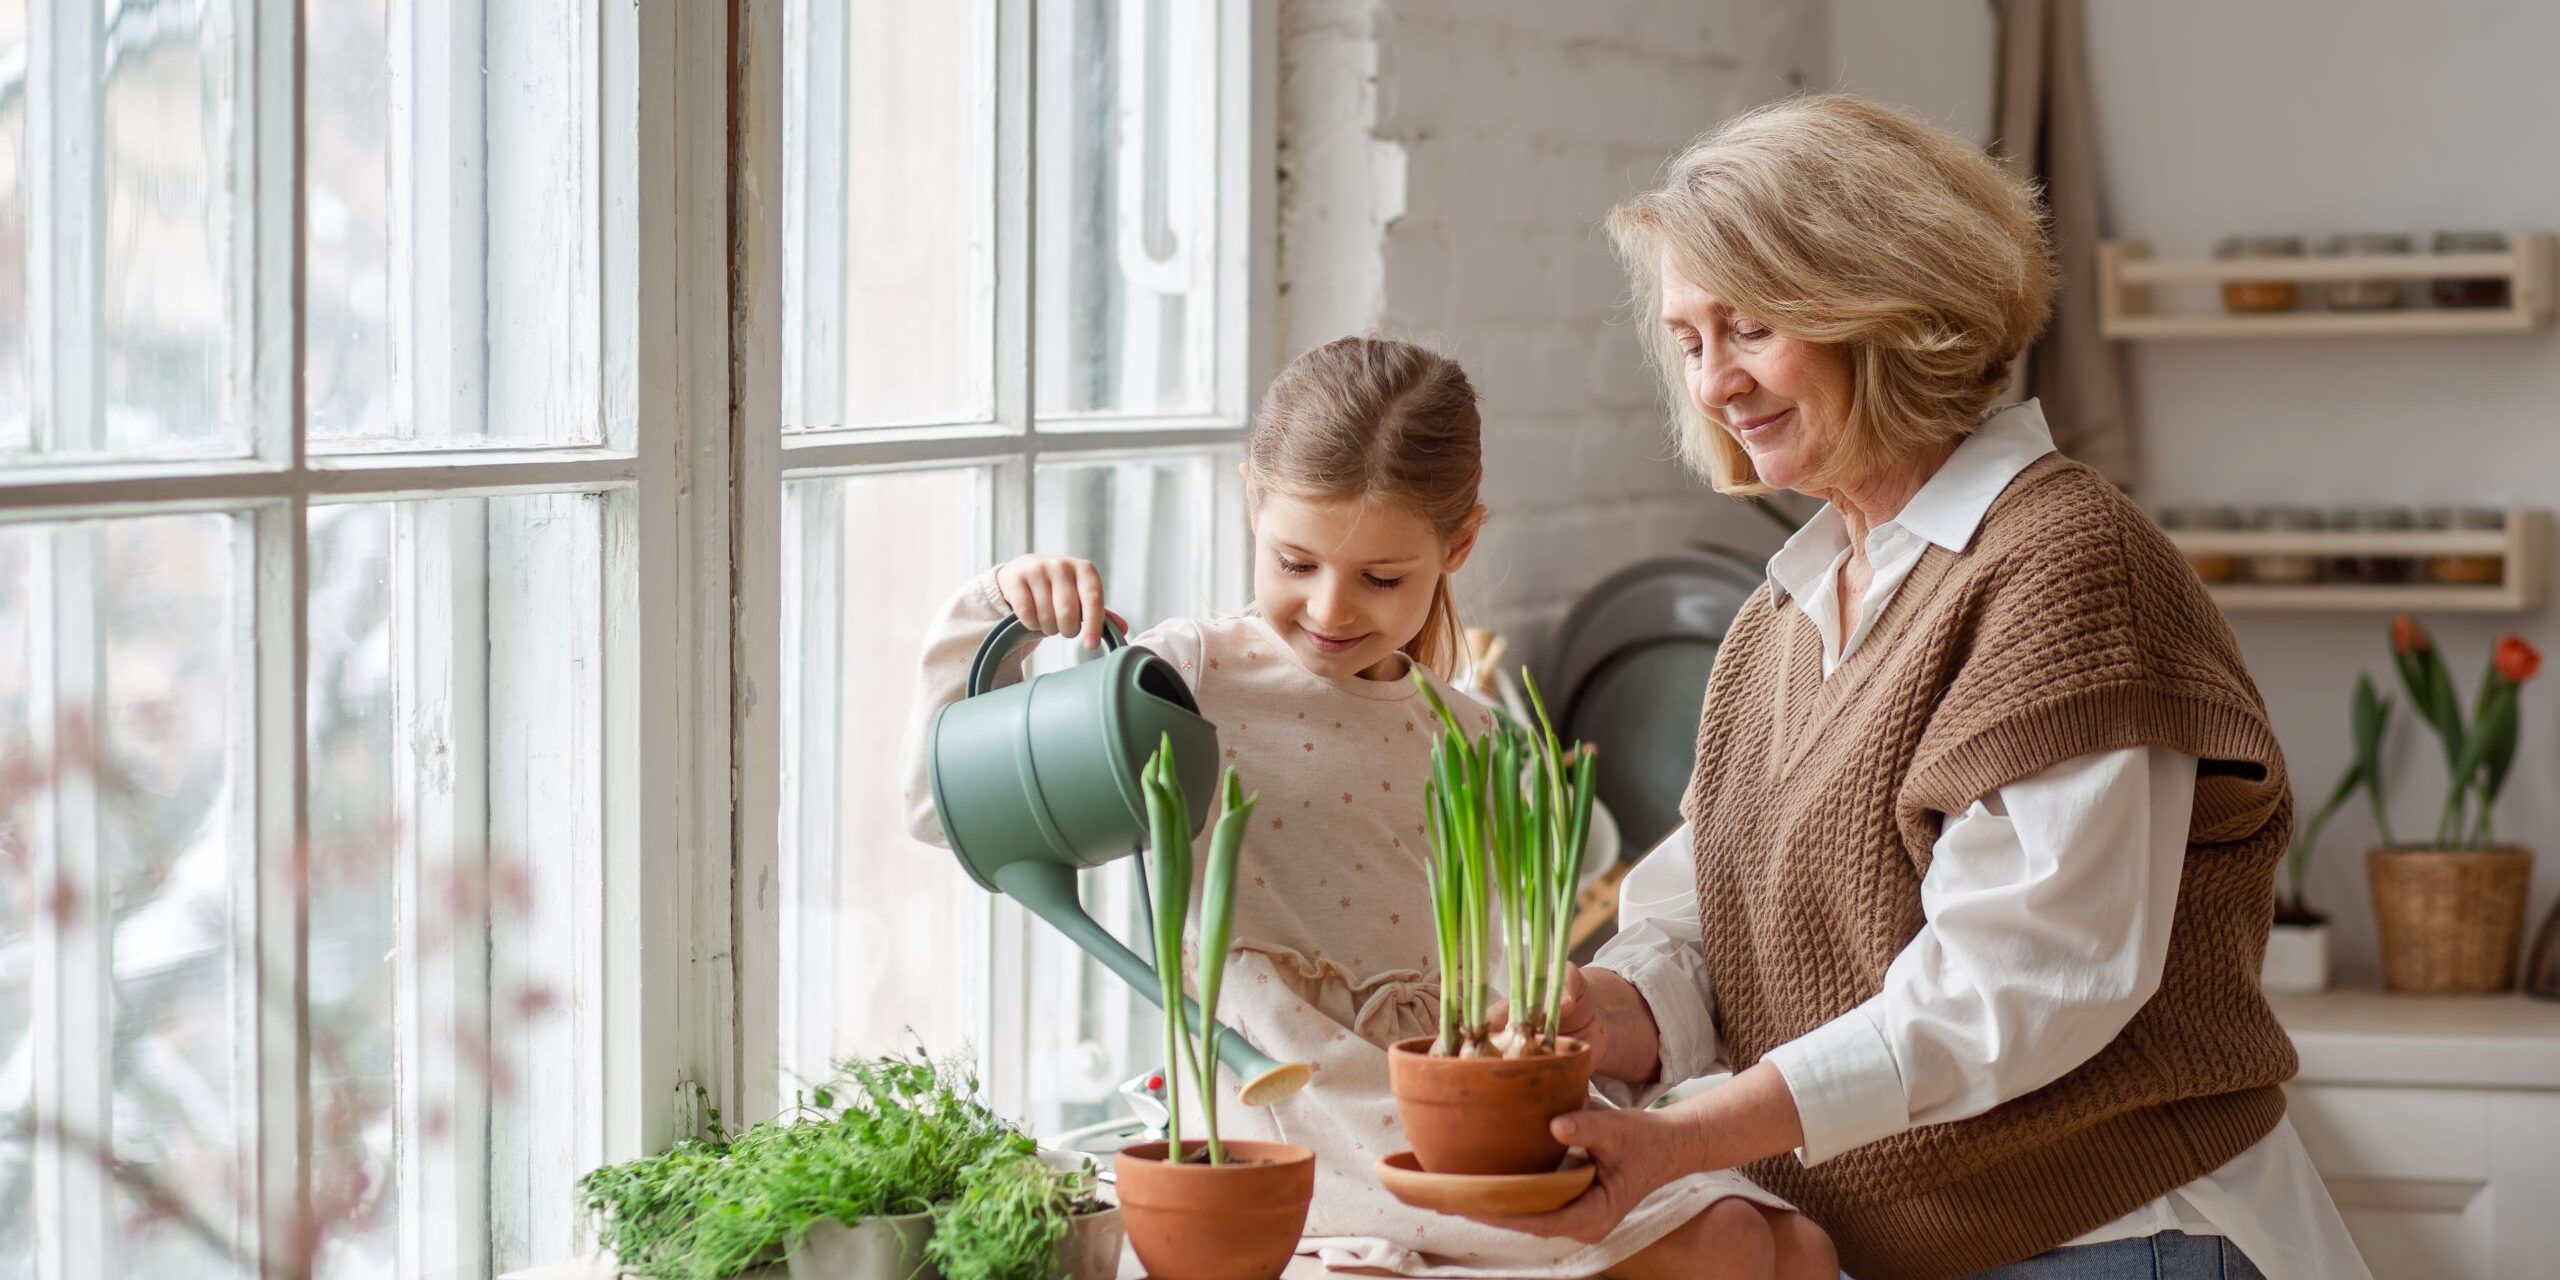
(1606, 1012)
(1637, 1154)
(1055, 596)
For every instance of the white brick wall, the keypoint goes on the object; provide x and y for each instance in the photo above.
(1444, 168)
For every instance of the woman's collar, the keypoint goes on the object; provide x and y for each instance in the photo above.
(1947, 510)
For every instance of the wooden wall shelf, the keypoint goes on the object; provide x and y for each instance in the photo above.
(2522, 547)
(2128, 308)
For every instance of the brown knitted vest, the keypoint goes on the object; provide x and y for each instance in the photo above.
(2069, 626)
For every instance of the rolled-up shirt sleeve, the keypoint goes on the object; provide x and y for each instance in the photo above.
(1657, 949)
(2047, 909)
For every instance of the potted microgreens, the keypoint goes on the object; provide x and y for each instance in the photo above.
(1024, 1217)
(1221, 1209)
(2297, 959)
(877, 1174)
(2450, 910)
(1509, 815)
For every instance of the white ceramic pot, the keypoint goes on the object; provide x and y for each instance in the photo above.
(2297, 960)
(1092, 1250)
(889, 1248)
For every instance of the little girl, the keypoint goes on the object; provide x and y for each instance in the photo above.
(1361, 473)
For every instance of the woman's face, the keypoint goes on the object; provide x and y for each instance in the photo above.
(1347, 583)
(1785, 400)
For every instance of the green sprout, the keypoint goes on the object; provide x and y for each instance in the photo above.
(1170, 873)
(1509, 817)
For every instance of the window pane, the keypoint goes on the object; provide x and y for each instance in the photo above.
(347, 220)
(883, 936)
(889, 184)
(125, 831)
(452, 224)
(1128, 252)
(1149, 525)
(455, 793)
(17, 429)
(173, 210)
(172, 840)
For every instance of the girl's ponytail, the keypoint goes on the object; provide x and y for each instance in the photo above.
(1436, 647)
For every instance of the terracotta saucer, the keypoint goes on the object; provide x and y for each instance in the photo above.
(1482, 1193)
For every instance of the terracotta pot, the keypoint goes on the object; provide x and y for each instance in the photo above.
(2450, 920)
(1486, 1115)
(1196, 1221)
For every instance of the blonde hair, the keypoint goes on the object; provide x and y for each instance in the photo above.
(1376, 418)
(1838, 220)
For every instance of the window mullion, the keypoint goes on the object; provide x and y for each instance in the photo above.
(783, 46)
(268, 980)
(270, 909)
(73, 1078)
(1014, 92)
(670, 995)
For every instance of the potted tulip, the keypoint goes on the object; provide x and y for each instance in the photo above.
(2450, 910)
(1218, 1210)
(2297, 959)
(1509, 816)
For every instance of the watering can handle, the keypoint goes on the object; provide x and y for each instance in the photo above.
(999, 642)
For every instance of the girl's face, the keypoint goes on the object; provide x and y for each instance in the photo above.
(1348, 582)
(1785, 400)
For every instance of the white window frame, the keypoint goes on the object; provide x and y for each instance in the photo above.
(650, 987)
(1013, 445)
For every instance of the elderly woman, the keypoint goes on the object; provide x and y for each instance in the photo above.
(1986, 809)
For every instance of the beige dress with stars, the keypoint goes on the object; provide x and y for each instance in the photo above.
(1333, 957)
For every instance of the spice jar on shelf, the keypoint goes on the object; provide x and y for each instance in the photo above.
(2465, 570)
(2468, 291)
(2259, 295)
(2367, 566)
(2210, 566)
(2286, 567)
(2370, 293)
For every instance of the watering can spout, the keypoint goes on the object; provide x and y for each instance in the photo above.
(1049, 890)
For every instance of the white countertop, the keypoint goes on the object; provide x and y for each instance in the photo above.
(2474, 1042)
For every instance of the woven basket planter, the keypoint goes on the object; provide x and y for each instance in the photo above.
(2450, 920)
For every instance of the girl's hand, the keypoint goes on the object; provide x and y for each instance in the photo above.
(1637, 1153)
(1055, 596)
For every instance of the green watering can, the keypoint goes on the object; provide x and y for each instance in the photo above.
(1039, 780)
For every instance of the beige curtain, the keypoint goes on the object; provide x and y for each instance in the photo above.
(2044, 132)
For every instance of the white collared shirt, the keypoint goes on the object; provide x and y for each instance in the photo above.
(2047, 907)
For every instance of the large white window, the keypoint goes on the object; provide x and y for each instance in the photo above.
(340, 534)
(472, 475)
(1017, 310)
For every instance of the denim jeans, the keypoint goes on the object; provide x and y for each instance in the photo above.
(2170, 1255)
